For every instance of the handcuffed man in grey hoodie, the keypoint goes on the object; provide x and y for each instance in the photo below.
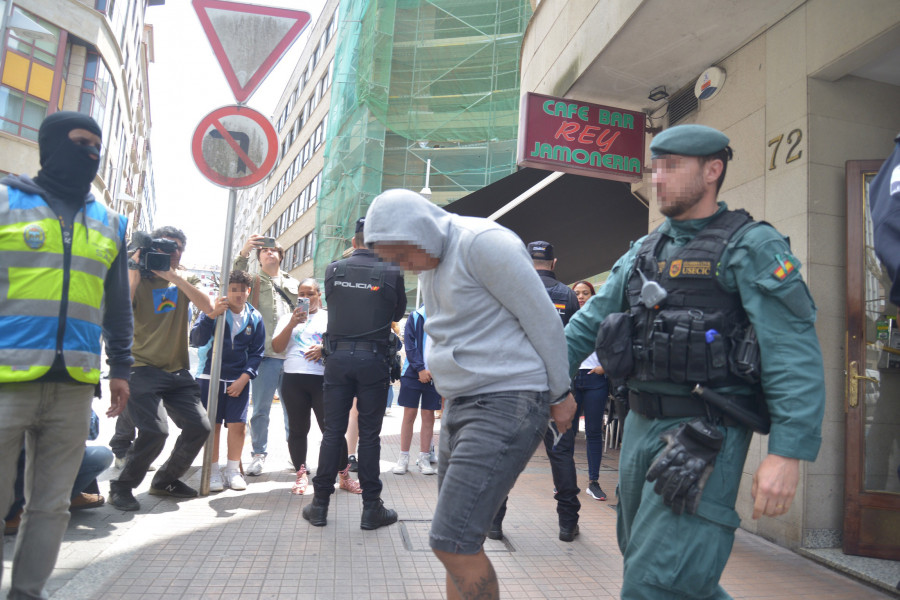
(497, 354)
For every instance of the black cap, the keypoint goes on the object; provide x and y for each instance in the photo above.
(541, 250)
(360, 222)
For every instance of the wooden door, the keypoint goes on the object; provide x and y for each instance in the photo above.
(872, 402)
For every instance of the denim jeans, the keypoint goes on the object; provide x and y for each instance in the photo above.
(96, 460)
(365, 375)
(52, 419)
(591, 393)
(486, 441)
(156, 397)
(263, 387)
(561, 455)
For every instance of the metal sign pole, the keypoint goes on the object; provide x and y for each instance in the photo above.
(215, 371)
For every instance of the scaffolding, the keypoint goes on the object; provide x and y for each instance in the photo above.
(418, 81)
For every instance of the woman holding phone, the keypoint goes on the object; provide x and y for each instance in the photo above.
(299, 336)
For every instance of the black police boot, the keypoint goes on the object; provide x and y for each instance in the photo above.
(567, 533)
(122, 497)
(316, 512)
(377, 515)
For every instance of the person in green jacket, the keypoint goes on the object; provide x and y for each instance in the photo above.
(710, 299)
(274, 295)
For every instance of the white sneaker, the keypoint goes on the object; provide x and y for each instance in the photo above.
(215, 480)
(402, 465)
(424, 463)
(256, 465)
(235, 480)
(432, 456)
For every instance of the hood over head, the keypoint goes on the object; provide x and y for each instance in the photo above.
(404, 217)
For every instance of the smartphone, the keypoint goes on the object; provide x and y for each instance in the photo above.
(303, 304)
(268, 242)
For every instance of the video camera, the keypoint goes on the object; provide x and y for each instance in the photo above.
(154, 253)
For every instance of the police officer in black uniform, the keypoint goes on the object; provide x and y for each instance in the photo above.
(364, 297)
(560, 450)
(563, 297)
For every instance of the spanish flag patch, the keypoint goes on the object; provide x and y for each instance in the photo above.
(785, 266)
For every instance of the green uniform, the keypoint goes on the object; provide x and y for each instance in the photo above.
(669, 556)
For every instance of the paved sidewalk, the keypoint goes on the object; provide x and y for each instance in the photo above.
(254, 544)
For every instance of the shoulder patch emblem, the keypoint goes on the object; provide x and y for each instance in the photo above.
(34, 236)
(785, 266)
(675, 268)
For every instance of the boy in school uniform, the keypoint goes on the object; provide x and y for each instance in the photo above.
(242, 351)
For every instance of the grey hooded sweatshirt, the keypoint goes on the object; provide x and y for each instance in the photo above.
(491, 324)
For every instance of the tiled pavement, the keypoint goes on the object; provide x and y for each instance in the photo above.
(254, 544)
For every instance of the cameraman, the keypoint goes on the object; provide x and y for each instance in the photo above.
(161, 375)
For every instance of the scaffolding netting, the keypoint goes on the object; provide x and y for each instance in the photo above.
(418, 81)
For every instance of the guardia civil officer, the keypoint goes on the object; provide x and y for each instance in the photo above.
(710, 301)
(364, 296)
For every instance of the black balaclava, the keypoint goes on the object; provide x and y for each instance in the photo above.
(67, 168)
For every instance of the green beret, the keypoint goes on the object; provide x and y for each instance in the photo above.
(688, 140)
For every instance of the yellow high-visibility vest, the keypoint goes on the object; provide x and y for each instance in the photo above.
(51, 296)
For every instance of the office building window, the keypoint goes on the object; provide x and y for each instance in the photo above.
(310, 242)
(97, 92)
(26, 85)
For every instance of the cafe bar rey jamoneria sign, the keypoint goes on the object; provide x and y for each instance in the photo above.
(561, 134)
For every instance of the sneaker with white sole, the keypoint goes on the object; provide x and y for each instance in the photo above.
(595, 491)
(402, 465)
(235, 480)
(256, 464)
(215, 479)
(432, 456)
(424, 463)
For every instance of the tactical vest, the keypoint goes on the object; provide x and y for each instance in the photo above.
(559, 295)
(52, 291)
(691, 336)
(360, 307)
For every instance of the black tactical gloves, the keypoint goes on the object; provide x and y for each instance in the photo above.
(684, 465)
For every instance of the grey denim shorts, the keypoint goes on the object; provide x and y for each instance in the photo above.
(486, 441)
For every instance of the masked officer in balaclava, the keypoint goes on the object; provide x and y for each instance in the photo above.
(63, 286)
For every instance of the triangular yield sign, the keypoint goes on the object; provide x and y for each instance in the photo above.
(248, 40)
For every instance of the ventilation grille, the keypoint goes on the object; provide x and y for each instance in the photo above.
(681, 104)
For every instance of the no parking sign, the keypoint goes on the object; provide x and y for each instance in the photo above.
(235, 146)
